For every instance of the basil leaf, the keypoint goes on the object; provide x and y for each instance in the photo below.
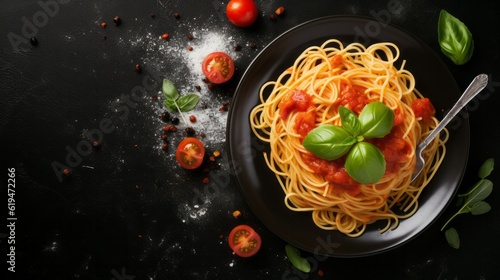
(482, 191)
(328, 141)
(365, 163)
(169, 90)
(350, 121)
(454, 38)
(299, 262)
(188, 102)
(452, 237)
(479, 208)
(486, 168)
(170, 104)
(376, 120)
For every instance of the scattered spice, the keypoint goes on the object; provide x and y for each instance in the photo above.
(117, 20)
(202, 135)
(104, 37)
(177, 16)
(166, 128)
(206, 180)
(197, 87)
(138, 68)
(173, 128)
(33, 41)
(190, 48)
(175, 120)
(164, 146)
(164, 36)
(252, 45)
(279, 11)
(321, 273)
(236, 214)
(96, 144)
(154, 97)
(152, 15)
(103, 24)
(237, 48)
(211, 158)
(164, 137)
(192, 118)
(66, 172)
(190, 37)
(216, 153)
(272, 17)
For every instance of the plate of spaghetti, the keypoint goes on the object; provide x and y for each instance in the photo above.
(304, 81)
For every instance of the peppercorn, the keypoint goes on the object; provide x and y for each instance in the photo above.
(175, 120)
(33, 41)
(164, 146)
(138, 68)
(190, 37)
(202, 135)
(192, 118)
(173, 128)
(177, 15)
(206, 180)
(166, 128)
(117, 20)
(164, 137)
(165, 116)
(96, 144)
(152, 15)
(197, 87)
(190, 131)
(190, 48)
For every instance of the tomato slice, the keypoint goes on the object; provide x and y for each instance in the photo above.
(190, 153)
(244, 241)
(218, 67)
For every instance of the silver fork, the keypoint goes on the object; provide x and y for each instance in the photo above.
(478, 84)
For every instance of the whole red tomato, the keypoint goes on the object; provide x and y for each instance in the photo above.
(242, 13)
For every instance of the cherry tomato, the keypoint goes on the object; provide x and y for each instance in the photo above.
(190, 153)
(218, 67)
(244, 241)
(242, 13)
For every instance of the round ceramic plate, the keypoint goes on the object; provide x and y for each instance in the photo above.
(259, 185)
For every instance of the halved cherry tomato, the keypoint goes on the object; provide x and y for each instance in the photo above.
(242, 13)
(218, 67)
(190, 153)
(244, 241)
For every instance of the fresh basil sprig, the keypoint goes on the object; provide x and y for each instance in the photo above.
(365, 163)
(472, 201)
(299, 262)
(173, 101)
(455, 39)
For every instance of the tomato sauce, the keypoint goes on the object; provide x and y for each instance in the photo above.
(296, 100)
(422, 108)
(394, 148)
(334, 172)
(353, 98)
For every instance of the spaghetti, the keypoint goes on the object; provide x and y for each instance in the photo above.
(308, 94)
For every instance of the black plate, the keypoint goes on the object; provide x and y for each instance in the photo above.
(259, 185)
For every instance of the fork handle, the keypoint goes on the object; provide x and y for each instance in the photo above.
(478, 84)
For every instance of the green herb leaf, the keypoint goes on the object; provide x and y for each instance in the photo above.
(170, 104)
(479, 208)
(365, 163)
(454, 38)
(452, 237)
(328, 141)
(376, 120)
(169, 90)
(486, 168)
(482, 191)
(188, 102)
(350, 121)
(299, 262)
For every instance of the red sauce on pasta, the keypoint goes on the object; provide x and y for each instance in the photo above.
(422, 108)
